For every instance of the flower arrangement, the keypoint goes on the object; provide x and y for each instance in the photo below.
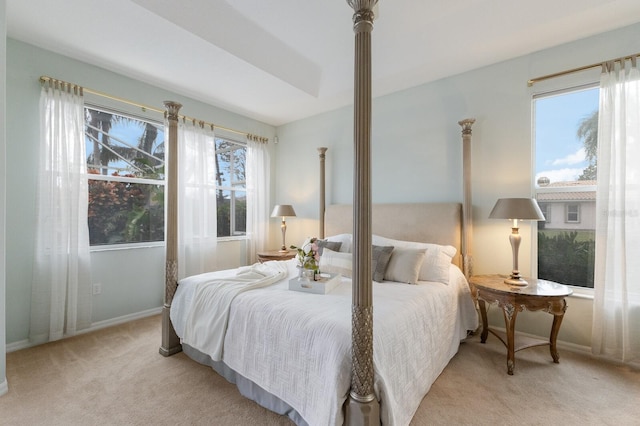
(308, 256)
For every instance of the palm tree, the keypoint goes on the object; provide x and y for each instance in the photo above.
(145, 160)
(98, 129)
(588, 132)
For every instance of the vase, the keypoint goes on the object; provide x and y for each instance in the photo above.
(306, 274)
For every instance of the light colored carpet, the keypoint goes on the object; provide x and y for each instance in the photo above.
(115, 376)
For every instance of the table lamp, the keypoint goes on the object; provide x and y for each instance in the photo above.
(283, 210)
(516, 209)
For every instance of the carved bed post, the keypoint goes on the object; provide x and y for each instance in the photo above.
(362, 406)
(322, 150)
(467, 227)
(170, 341)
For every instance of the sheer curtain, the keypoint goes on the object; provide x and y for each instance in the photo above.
(258, 184)
(197, 216)
(61, 288)
(616, 319)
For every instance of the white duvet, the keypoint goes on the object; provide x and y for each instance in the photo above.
(297, 346)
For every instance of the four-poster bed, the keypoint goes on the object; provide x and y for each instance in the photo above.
(296, 353)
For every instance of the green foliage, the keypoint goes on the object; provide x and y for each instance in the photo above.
(588, 132)
(307, 255)
(589, 173)
(122, 212)
(566, 258)
(224, 216)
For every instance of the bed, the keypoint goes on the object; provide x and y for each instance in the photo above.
(291, 351)
(328, 359)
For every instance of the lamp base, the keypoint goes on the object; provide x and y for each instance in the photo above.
(515, 280)
(284, 250)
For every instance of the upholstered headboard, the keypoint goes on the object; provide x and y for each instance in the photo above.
(438, 223)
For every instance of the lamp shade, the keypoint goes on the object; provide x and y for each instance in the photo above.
(516, 208)
(282, 210)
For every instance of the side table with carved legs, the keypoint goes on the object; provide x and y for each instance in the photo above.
(537, 295)
(276, 255)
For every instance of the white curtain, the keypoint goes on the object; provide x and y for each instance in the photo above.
(258, 184)
(197, 217)
(61, 287)
(616, 316)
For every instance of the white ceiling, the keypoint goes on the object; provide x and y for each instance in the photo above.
(280, 61)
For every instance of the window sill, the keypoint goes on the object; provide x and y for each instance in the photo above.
(234, 238)
(114, 247)
(582, 293)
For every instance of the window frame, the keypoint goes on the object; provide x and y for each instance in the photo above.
(234, 186)
(568, 212)
(124, 179)
(588, 79)
(546, 211)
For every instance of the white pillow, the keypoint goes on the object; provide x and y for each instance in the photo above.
(335, 262)
(345, 239)
(435, 266)
(404, 265)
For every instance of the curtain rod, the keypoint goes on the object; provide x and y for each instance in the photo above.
(574, 70)
(46, 79)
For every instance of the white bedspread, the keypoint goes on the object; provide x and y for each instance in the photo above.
(297, 346)
(206, 321)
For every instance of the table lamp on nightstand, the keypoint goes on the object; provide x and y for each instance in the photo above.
(283, 210)
(516, 209)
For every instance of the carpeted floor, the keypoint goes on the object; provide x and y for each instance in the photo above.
(115, 376)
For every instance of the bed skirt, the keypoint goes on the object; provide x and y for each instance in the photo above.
(246, 387)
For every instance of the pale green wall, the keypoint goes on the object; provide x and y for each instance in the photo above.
(416, 157)
(132, 280)
(416, 153)
(3, 51)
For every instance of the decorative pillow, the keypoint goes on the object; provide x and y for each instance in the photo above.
(437, 260)
(437, 263)
(380, 256)
(335, 262)
(345, 239)
(404, 265)
(331, 245)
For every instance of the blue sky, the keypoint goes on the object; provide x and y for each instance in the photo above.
(559, 152)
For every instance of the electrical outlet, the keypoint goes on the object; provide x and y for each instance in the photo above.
(97, 288)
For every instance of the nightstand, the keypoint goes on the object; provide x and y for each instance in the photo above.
(538, 295)
(263, 256)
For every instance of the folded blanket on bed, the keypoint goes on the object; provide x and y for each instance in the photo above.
(206, 332)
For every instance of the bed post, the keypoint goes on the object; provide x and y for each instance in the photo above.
(170, 341)
(322, 150)
(362, 408)
(467, 228)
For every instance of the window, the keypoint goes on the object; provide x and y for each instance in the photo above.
(231, 191)
(573, 213)
(565, 135)
(125, 164)
(546, 211)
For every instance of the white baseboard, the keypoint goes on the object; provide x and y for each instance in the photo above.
(121, 320)
(23, 344)
(4, 387)
(573, 347)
